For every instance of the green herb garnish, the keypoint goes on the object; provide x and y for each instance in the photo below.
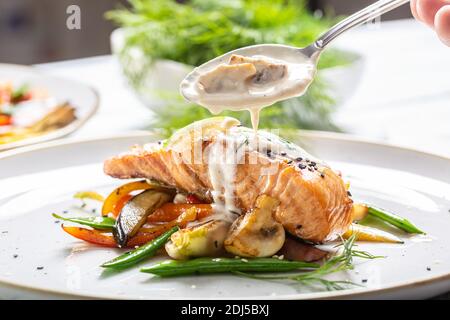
(341, 262)
(101, 223)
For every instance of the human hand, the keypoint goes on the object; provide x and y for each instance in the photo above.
(436, 14)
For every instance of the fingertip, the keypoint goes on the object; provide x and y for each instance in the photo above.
(414, 9)
(442, 24)
(426, 10)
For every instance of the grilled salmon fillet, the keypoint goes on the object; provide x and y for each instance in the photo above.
(314, 203)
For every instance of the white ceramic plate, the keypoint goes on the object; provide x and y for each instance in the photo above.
(39, 180)
(83, 98)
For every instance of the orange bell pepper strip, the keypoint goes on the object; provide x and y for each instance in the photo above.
(118, 206)
(118, 193)
(5, 120)
(142, 237)
(105, 240)
(171, 211)
(170, 214)
(147, 234)
(91, 236)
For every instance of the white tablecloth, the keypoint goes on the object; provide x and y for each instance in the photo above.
(403, 97)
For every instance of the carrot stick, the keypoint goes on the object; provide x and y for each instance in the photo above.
(171, 211)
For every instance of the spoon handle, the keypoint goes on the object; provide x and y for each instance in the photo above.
(371, 12)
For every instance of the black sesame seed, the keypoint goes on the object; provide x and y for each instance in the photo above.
(39, 268)
(4, 231)
(299, 159)
(310, 169)
(283, 154)
(313, 163)
(289, 162)
(322, 175)
(307, 160)
(15, 256)
(349, 193)
(428, 269)
(364, 280)
(301, 166)
(65, 211)
(57, 221)
(94, 210)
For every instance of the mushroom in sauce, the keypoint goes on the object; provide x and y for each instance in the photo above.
(256, 234)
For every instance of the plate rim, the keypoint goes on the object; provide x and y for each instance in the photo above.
(355, 293)
(59, 133)
(345, 137)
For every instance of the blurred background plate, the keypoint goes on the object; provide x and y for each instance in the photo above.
(83, 98)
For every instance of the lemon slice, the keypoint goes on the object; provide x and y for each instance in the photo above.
(202, 129)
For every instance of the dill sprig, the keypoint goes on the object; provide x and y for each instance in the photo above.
(342, 261)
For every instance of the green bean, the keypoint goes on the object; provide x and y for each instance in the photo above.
(102, 223)
(130, 258)
(173, 268)
(394, 220)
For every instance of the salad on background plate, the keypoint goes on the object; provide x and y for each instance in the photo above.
(27, 112)
(36, 107)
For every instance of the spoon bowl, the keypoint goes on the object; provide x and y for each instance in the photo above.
(300, 76)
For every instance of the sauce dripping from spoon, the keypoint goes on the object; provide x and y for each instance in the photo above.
(250, 80)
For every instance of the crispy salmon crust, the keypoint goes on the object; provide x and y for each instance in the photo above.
(314, 204)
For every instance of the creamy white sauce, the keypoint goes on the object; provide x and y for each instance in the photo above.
(223, 84)
(227, 151)
(222, 161)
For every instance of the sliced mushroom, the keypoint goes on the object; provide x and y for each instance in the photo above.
(135, 213)
(256, 234)
(227, 78)
(205, 240)
(266, 71)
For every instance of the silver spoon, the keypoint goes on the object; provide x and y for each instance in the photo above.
(188, 87)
